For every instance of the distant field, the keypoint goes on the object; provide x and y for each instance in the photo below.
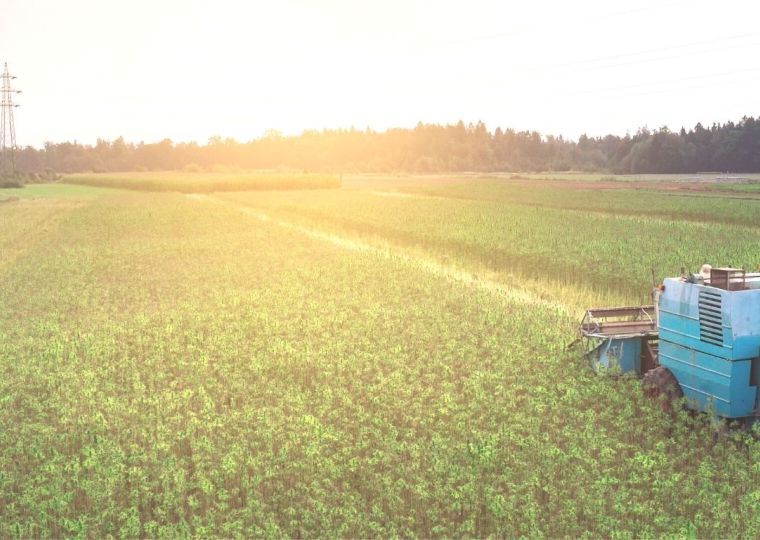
(53, 191)
(748, 187)
(655, 202)
(724, 178)
(575, 180)
(205, 182)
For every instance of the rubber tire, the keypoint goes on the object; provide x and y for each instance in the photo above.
(660, 383)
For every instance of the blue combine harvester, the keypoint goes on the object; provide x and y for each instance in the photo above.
(700, 340)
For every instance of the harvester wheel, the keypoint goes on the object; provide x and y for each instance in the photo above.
(659, 383)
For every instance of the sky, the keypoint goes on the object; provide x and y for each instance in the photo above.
(190, 69)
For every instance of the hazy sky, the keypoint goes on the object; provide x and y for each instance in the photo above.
(187, 70)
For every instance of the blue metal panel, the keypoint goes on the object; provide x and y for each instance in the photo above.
(677, 330)
(710, 381)
(621, 355)
(744, 314)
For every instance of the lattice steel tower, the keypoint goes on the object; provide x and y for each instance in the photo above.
(7, 126)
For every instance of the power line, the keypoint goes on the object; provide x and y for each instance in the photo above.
(668, 81)
(646, 51)
(568, 67)
(533, 73)
(673, 57)
(684, 88)
(526, 30)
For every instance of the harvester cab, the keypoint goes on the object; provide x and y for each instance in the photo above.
(700, 339)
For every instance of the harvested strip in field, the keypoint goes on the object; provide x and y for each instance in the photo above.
(513, 294)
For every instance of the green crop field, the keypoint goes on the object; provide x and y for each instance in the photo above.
(388, 359)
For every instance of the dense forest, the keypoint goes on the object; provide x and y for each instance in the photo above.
(733, 147)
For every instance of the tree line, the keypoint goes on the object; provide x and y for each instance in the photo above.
(426, 148)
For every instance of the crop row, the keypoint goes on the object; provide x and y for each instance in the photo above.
(699, 206)
(206, 182)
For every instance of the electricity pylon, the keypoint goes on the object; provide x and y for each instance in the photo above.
(7, 126)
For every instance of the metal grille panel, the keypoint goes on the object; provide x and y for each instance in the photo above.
(710, 317)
